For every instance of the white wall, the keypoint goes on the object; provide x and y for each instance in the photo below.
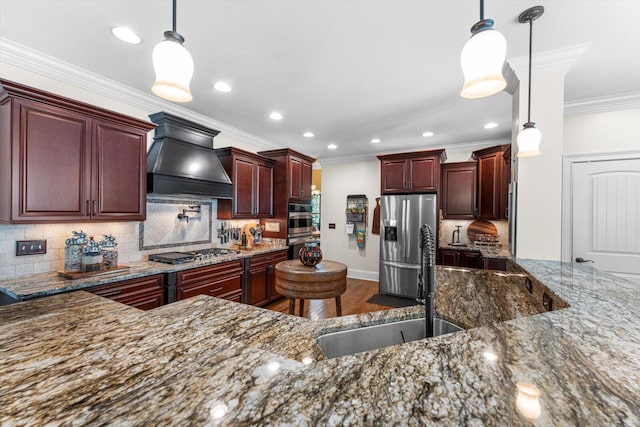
(539, 206)
(338, 181)
(602, 132)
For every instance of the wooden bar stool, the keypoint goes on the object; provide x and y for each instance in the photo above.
(295, 280)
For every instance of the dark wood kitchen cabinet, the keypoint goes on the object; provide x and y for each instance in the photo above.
(261, 287)
(470, 259)
(459, 190)
(415, 172)
(144, 293)
(491, 188)
(292, 173)
(223, 280)
(460, 258)
(64, 161)
(494, 263)
(252, 184)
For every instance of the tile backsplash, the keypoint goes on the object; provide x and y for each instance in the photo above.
(163, 228)
(11, 266)
(136, 240)
(447, 226)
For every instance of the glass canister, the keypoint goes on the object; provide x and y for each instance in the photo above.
(109, 249)
(73, 251)
(91, 257)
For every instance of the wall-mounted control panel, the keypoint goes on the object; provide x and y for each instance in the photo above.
(31, 247)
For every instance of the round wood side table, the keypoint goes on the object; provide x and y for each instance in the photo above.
(295, 280)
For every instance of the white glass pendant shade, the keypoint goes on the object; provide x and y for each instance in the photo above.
(529, 141)
(173, 65)
(482, 59)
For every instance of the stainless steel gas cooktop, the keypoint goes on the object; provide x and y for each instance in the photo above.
(184, 257)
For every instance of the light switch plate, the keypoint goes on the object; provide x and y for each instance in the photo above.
(31, 247)
(272, 226)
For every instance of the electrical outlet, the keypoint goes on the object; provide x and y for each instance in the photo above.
(31, 247)
(528, 284)
(547, 302)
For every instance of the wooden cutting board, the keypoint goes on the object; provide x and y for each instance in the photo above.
(480, 227)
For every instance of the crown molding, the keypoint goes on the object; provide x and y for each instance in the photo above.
(32, 60)
(557, 61)
(626, 101)
(471, 146)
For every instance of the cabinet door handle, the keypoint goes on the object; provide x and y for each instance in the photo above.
(94, 208)
(211, 291)
(506, 212)
(88, 208)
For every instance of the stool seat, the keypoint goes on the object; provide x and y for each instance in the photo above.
(295, 280)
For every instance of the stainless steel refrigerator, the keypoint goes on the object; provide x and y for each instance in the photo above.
(401, 217)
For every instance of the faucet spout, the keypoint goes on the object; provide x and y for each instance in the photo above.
(427, 276)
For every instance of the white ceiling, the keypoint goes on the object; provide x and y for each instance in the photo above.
(347, 70)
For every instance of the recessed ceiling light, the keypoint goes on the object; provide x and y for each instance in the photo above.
(491, 125)
(308, 135)
(222, 87)
(275, 116)
(126, 35)
(332, 146)
(427, 134)
(375, 140)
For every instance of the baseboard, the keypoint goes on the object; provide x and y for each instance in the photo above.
(362, 274)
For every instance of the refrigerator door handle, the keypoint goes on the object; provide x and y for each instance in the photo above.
(401, 265)
(403, 252)
(405, 232)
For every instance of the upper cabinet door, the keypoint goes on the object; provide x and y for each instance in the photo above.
(119, 172)
(305, 183)
(51, 171)
(295, 178)
(459, 190)
(243, 180)
(492, 190)
(423, 174)
(394, 176)
(264, 191)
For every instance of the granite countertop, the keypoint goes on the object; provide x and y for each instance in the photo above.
(40, 285)
(485, 251)
(77, 358)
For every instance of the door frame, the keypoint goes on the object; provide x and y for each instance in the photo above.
(566, 245)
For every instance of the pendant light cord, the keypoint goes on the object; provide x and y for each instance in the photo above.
(174, 16)
(481, 10)
(530, 48)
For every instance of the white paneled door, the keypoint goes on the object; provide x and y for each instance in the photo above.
(606, 215)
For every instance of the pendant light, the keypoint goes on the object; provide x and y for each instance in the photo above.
(173, 66)
(482, 59)
(529, 137)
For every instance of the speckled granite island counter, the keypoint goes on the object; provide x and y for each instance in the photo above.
(80, 359)
(42, 285)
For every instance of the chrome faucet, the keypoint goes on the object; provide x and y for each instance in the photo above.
(453, 237)
(427, 277)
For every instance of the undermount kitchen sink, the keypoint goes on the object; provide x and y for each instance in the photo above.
(353, 341)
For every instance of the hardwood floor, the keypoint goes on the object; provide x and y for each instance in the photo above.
(354, 301)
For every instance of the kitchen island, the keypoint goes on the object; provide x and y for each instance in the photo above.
(77, 358)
